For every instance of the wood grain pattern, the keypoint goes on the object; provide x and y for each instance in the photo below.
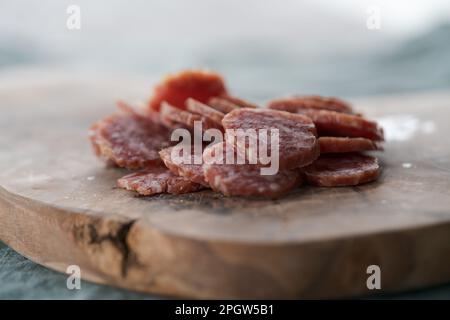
(59, 206)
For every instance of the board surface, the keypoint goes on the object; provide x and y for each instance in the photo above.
(59, 206)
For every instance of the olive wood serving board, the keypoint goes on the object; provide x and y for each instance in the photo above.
(59, 206)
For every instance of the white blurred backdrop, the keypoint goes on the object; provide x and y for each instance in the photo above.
(264, 47)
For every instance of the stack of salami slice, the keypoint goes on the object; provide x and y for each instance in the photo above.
(321, 141)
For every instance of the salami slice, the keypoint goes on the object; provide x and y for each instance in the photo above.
(129, 140)
(298, 145)
(222, 105)
(176, 88)
(157, 180)
(296, 103)
(244, 179)
(202, 109)
(189, 169)
(170, 124)
(238, 102)
(154, 115)
(330, 123)
(227, 103)
(334, 170)
(340, 145)
(186, 118)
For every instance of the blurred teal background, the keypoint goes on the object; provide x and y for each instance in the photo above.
(264, 48)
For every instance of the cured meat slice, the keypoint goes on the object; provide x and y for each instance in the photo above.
(154, 115)
(157, 180)
(298, 145)
(186, 118)
(174, 115)
(129, 139)
(330, 123)
(241, 103)
(296, 103)
(202, 109)
(176, 88)
(227, 103)
(171, 124)
(339, 145)
(222, 105)
(189, 169)
(334, 170)
(244, 179)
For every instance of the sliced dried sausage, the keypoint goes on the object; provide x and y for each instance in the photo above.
(157, 180)
(296, 103)
(239, 102)
(330, 123)
(197, 84)
(222, 105)
(349, 169)
(186, 118)
(232, 179)
(227, 103)
(202, 109)
(298, 145)
(189, 169)
(340, 145)
(129, 140)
